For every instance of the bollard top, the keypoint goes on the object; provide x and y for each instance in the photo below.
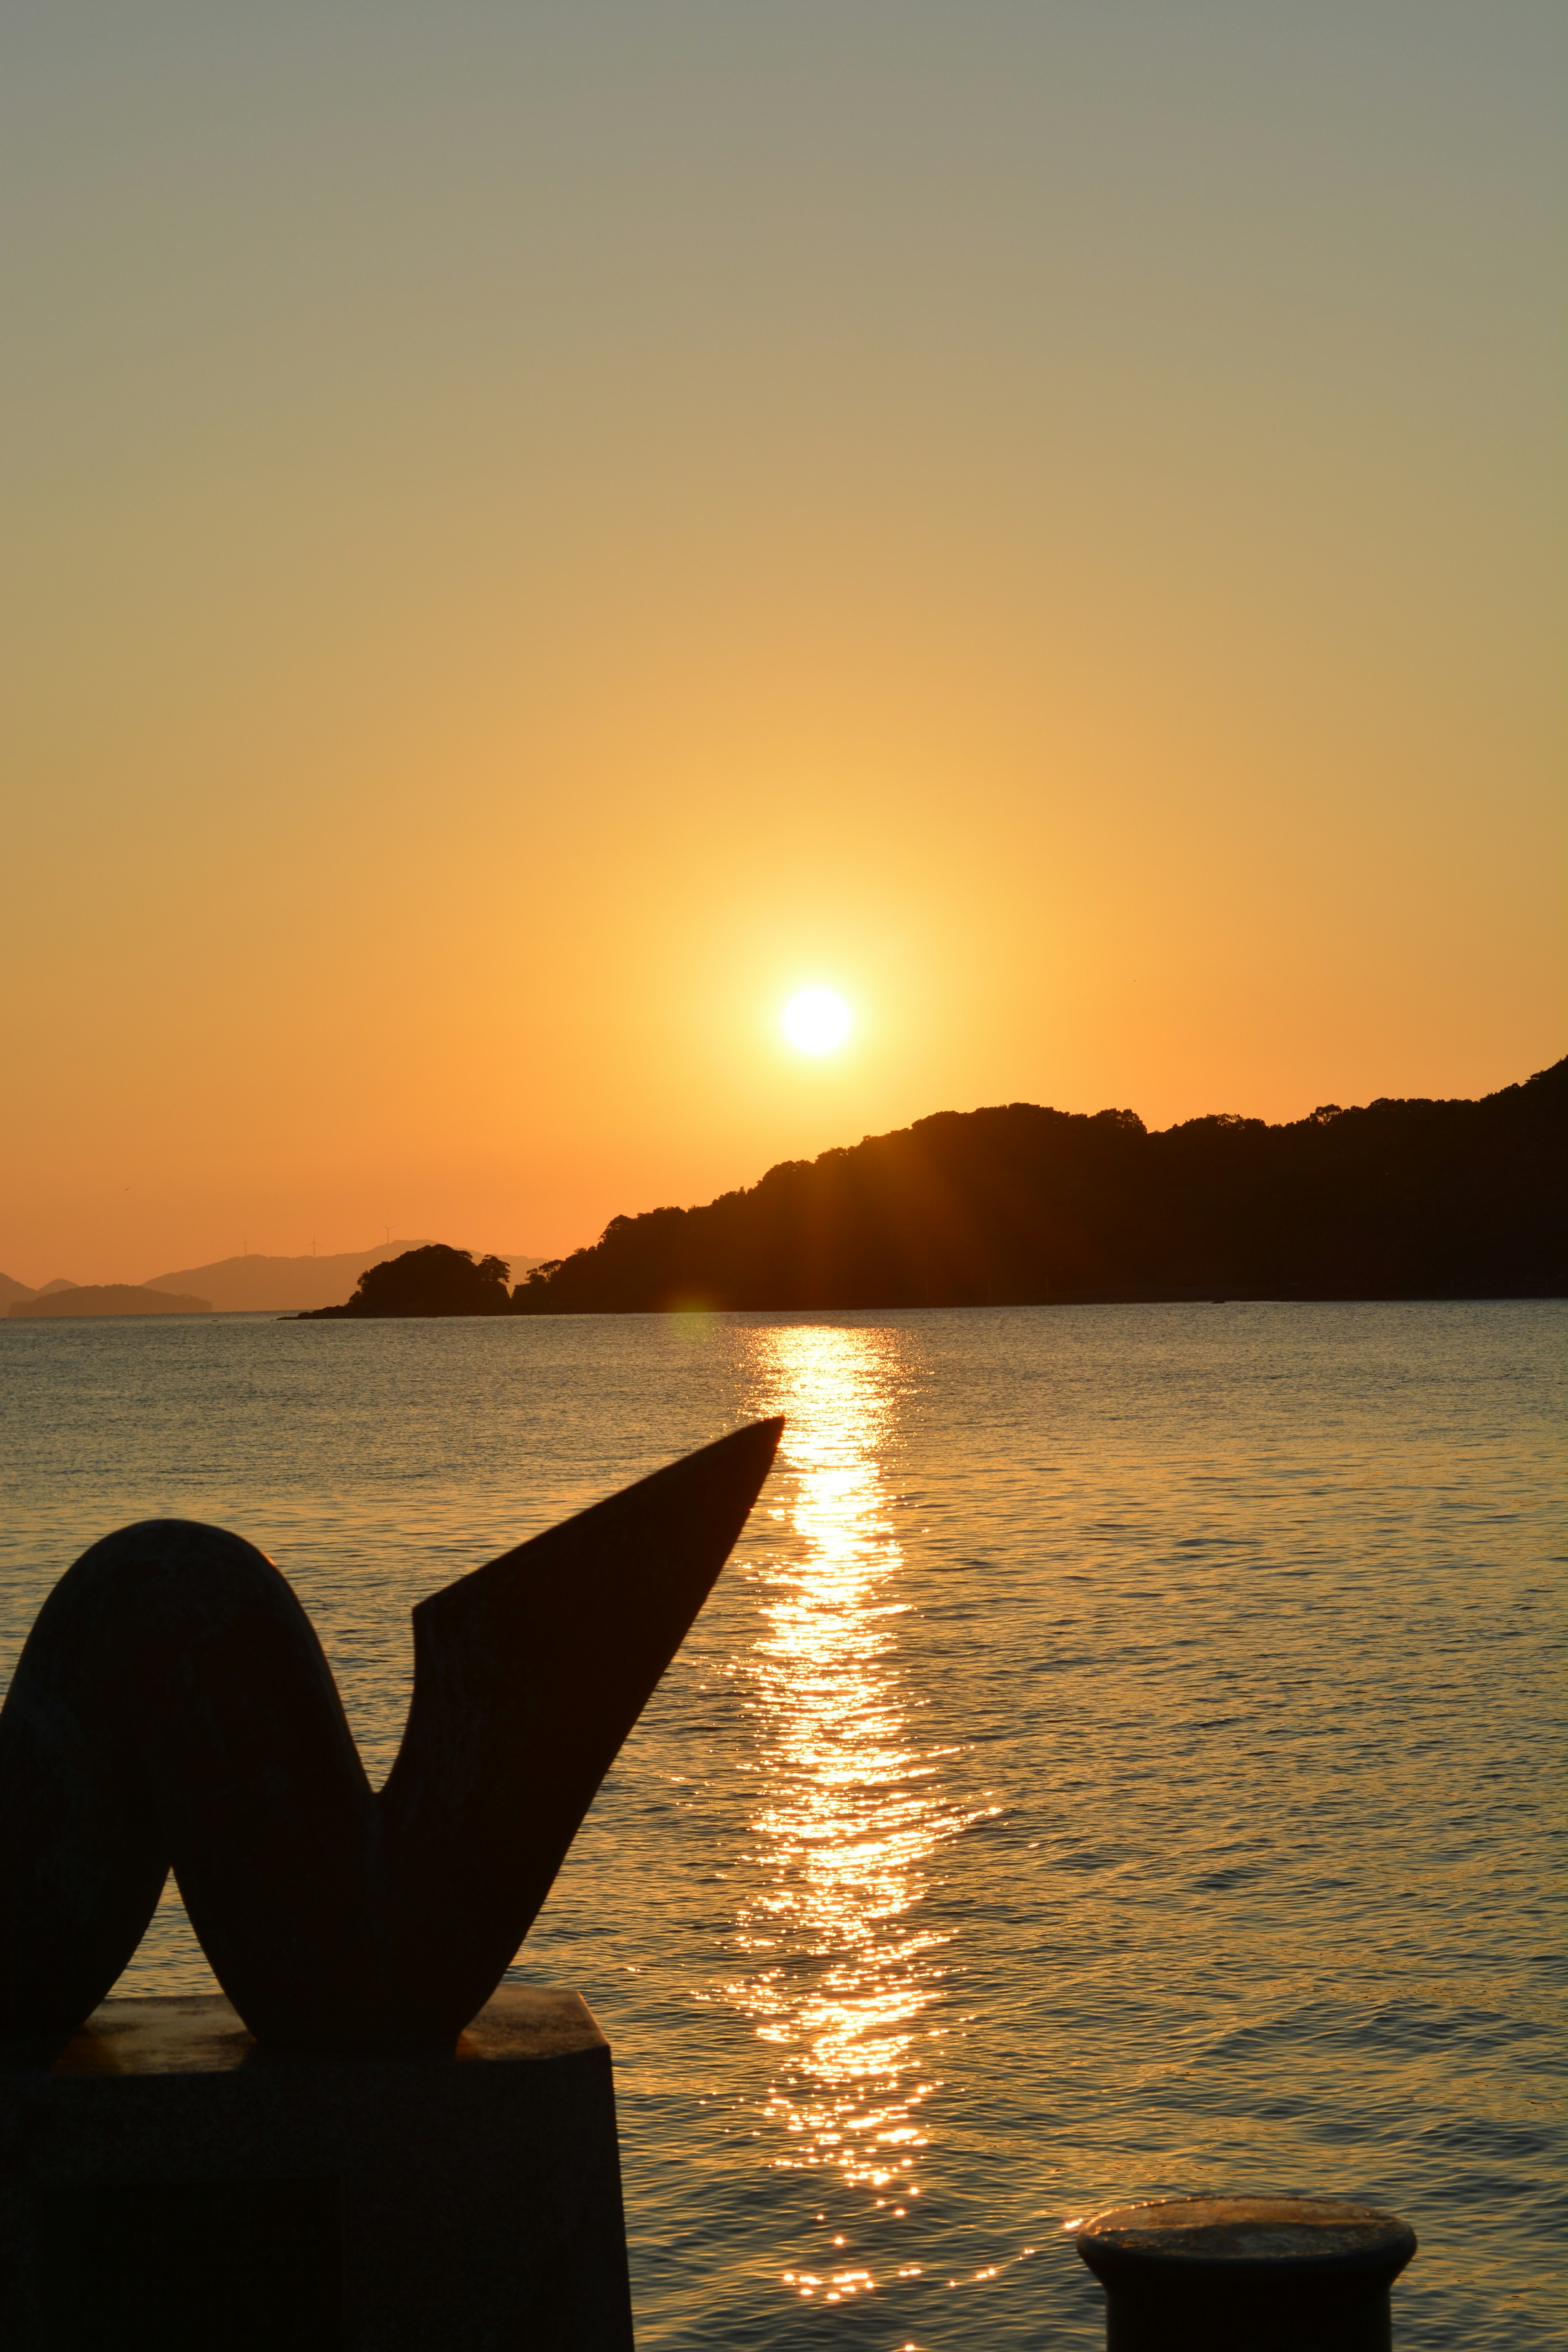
(1307, 2235)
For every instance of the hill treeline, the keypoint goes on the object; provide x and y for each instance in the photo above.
(1021, 1206)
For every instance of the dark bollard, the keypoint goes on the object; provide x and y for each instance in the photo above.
(1246, 2274)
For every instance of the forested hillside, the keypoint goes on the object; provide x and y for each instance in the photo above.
(1020, 1204)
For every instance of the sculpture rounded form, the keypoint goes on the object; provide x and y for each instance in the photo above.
(173, 1708)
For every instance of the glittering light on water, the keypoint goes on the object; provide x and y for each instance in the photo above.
(843, 1974)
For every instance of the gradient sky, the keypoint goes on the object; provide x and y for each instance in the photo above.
(533, 531)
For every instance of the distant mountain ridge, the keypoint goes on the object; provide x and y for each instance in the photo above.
(253, 1284)
(298, 1285)
(107, 1298)
(1024, 1205)
(12, 1290)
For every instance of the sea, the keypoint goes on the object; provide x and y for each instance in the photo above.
(1123, 1757)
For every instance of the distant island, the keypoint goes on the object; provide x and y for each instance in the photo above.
(432, 1280)
(1022, 1206)
(107, 1298)
(11, 1289)
(250, 1283)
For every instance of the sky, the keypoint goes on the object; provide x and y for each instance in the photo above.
(535, 532)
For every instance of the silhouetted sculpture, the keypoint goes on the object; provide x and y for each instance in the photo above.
(173, 1707)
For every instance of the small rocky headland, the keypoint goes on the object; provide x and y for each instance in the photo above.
(435, 1280)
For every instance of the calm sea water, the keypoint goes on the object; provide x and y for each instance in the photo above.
(1124, 1756)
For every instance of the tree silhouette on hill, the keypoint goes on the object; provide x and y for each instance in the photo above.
(435, 1280)
(1022, 1205)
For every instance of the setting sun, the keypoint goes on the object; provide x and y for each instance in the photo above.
(816, 1020)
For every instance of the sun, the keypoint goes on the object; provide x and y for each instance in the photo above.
(816, 1020)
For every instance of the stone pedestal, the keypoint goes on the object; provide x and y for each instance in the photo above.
(167, 2184)
(1246, 2274)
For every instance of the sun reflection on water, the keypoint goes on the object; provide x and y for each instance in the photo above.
(842, 1974)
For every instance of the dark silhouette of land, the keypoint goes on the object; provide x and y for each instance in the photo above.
(11, 1289)
(1020, 1206)
(249, 1283)
(255, 1282)
(435, 1280)
(108, 1298)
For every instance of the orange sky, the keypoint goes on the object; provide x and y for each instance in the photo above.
(534, 532)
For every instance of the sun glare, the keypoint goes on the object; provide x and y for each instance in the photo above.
(816, 1020)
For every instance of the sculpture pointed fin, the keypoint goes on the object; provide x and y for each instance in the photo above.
(529, 1675)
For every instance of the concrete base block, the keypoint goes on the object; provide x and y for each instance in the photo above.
(168, 2184)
